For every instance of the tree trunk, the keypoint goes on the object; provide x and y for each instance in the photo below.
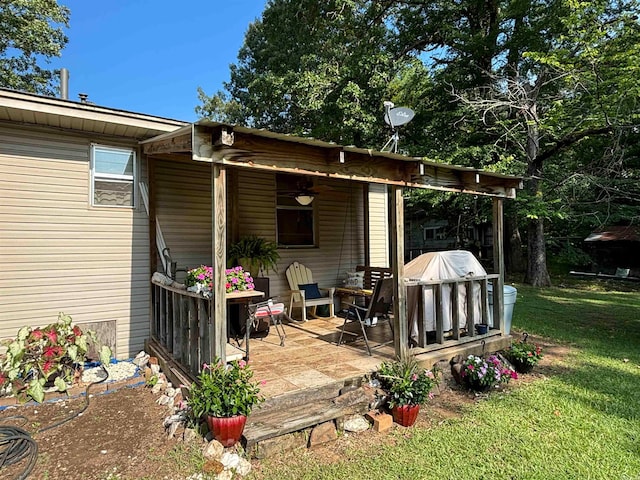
(513, 258)
(537, 274)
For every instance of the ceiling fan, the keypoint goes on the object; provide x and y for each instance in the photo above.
(306, 190)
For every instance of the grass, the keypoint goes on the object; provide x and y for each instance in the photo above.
(581, 422)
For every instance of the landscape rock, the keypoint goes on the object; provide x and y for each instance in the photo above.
(356, 423)
(244, 467)
(323, 433)
(225, 475)
(213, 450)
(213, 466)
(230, 460)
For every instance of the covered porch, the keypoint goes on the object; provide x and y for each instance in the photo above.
(240, 161)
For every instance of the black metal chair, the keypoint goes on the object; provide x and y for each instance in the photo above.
(375, 312)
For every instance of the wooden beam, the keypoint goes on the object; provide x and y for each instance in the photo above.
(498, 264)
(367, 227)
(400, 324)
(180, 143)
(218, 312)
(269, 154)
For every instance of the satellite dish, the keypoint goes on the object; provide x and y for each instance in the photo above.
(395, 117)
(398, 116)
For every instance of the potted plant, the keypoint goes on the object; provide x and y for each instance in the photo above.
(480, 374)
(223, 396)
(52, 356)
(408, 385)
(200, 280)
(524, 355)
(238, 280)
(257, 254)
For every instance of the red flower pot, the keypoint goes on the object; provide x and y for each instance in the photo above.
(405, 415)
(227, 430)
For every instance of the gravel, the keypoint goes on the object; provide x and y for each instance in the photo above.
(117, 371)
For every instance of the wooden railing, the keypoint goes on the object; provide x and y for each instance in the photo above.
(180, 324)
(459, 331)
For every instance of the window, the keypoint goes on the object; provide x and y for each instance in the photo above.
(112, 176)
(296, 226)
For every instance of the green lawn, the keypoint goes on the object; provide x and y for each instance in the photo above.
(580, 422)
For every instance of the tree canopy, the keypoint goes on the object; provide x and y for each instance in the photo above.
(31, 33)
(546, 89)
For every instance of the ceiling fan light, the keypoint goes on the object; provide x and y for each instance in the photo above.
(305, 199)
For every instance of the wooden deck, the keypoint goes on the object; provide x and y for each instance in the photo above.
(311, 357)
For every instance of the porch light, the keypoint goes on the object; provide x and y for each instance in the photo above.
(304, 199)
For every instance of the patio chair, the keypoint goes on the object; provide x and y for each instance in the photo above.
(305, 292)
(375, 312)
(270, 311)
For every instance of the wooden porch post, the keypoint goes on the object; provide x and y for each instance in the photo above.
(498, 263)
(218, 312)
(400, 325)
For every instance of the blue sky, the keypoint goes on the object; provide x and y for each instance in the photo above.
(149, 56)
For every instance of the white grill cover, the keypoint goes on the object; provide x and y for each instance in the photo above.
(442, 266)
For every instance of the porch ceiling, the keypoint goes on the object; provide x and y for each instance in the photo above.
(261, 149)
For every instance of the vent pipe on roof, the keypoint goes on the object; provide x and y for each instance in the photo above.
(64, 83)
(83, 97)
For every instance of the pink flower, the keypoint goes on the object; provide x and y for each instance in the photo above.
(263, 383)
(414, 377)
(205, 366)
(242, 363)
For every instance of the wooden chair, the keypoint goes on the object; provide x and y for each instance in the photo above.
(377, 310)
(305, 292)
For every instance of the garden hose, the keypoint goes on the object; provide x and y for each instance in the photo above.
(16, 444)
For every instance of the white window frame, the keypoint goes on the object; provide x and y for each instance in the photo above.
(110, 176)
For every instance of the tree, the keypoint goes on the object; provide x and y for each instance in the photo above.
(551, 100)
(31, 32)
(312, 68)
(546, 89)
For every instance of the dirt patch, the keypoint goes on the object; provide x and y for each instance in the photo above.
(120, 435)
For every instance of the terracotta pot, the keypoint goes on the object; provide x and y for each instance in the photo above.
(227, 430)
(405, 415)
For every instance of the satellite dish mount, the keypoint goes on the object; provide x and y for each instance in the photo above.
(395, 117)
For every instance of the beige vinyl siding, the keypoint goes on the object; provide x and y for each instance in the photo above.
(340, 237)
(378, 225)
(184, 210)
(182, 192)
(59, 254)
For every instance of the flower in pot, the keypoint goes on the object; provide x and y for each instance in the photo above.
(408, 385)
(255, 253)
(238, 280)
(52, 356)
(200, 280)
(223, 396)
(524, 355)
(480, 374)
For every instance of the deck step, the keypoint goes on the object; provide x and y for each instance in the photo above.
(289, 420)
(297, 411)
